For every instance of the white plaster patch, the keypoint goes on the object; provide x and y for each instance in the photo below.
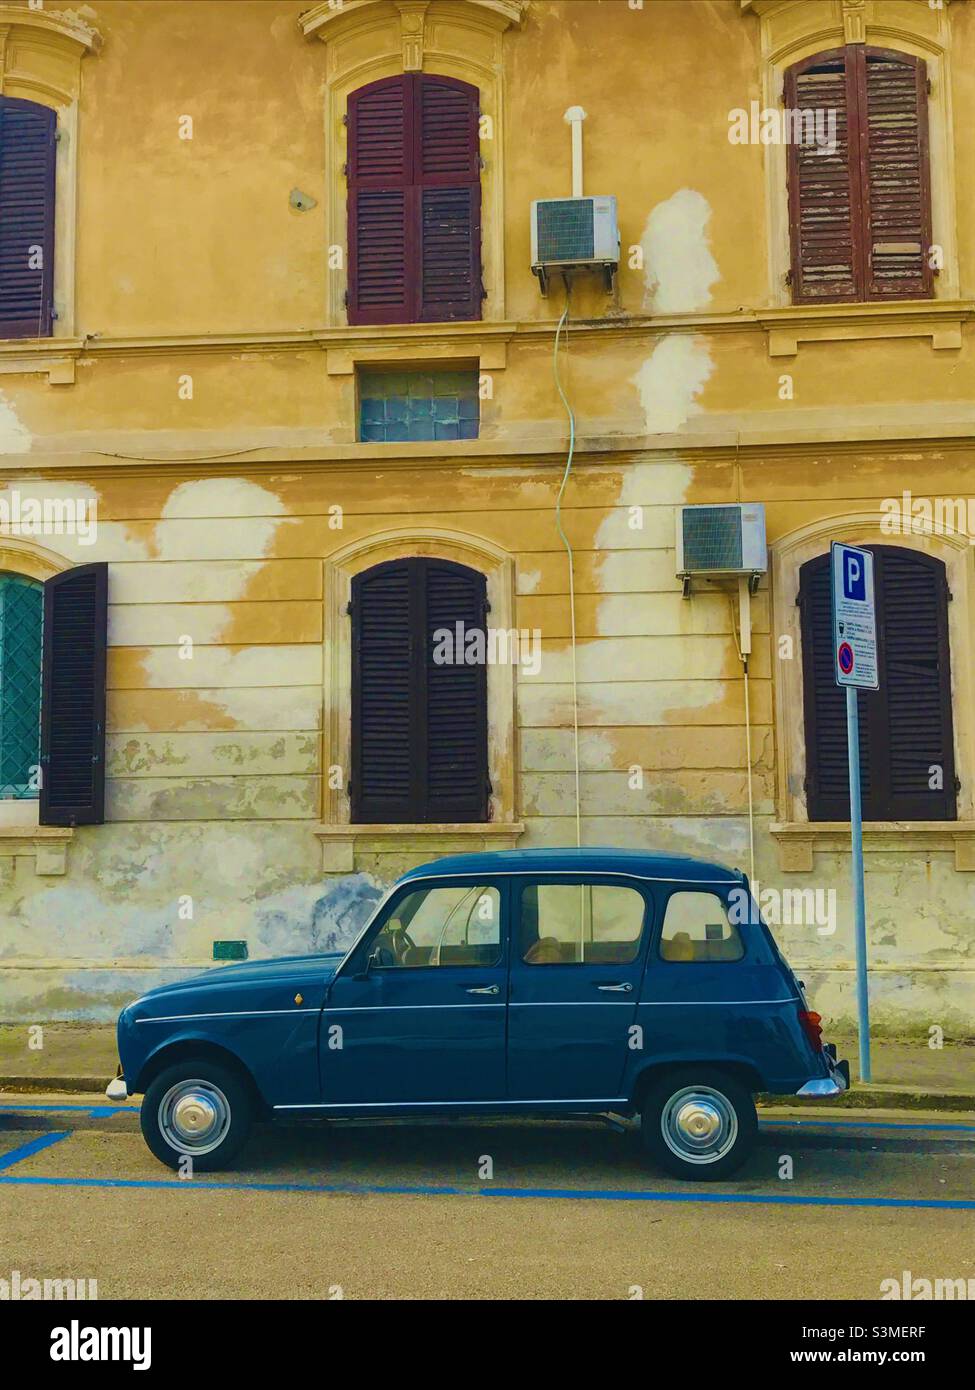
(15, 437)
(678, 267)
(528, 581)
(670, 379)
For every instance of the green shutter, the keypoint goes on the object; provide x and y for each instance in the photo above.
(21, 610)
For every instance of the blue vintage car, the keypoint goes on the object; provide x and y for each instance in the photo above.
(525, 982)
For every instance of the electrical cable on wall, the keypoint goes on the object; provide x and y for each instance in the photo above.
(743, 658)
(568, 551)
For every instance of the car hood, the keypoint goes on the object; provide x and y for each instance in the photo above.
(255, 972)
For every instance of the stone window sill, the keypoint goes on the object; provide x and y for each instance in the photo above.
(47, 843)
(341, 843)
(938, 319)
(798, 841)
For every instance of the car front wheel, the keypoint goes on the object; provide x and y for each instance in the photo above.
(699, 1123)
(196, 1110)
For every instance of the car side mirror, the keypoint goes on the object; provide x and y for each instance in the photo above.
(372, 960)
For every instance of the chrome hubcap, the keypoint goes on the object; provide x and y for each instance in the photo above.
(699, 1124)
(194, 1116)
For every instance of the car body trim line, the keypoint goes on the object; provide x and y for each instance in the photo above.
(396, 1008)
(412, 1104)
(231, 1013)
(709, 1003)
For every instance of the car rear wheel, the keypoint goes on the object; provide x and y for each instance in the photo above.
(699, 1123)
(196, 1110)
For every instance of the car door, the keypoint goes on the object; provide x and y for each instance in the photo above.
(578, 946)
(417, 1014)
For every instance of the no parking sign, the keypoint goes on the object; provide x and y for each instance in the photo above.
(854, 617)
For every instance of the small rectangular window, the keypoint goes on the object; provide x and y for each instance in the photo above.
(412, 407)
(580, 923)
(696, 929)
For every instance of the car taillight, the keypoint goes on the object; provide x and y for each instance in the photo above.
(811, 1027)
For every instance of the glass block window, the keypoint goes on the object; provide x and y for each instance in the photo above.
(405, 407)
(21, 612)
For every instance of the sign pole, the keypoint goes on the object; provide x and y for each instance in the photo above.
(859, 905)
(856, 666)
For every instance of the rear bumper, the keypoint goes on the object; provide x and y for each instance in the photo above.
(835, 1084)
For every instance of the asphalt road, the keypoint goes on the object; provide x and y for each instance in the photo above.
(472, 1210)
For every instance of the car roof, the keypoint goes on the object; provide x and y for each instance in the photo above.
(635, 863)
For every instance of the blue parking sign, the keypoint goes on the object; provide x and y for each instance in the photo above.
(854, 617)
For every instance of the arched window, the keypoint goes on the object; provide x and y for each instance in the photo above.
(419, 693)
(21, 609)
(859, 204)
(907, 764)
(27, 146)
(414, 201)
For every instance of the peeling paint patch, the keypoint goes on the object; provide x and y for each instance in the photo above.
(15, 437)
(678, 266)
(670, 380)
(528, 581)
(306, 919)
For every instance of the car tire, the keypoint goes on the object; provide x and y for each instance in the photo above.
(699, 1123)
(199, 1110)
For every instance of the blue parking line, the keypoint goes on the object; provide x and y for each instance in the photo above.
(95, 1111)
(860, 1124)
(33, 1146)
(536, 1193)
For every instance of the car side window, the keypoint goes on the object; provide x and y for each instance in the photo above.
(580, 924)
(441, 926)
(697, 929)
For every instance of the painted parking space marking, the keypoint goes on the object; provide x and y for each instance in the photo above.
(531, 1193)
(33, 1146)
(98, 1111)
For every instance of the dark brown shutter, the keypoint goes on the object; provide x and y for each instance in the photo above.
(414, 201)
(914, 607)
(860, 218)
(382, 202)
(456, 698)
(824, 212)
(27, 160)
(905, 727)
(895, 174)
(448, 165)
(73, 697)
(419, 729)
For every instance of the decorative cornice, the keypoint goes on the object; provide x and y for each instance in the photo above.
(321, 20)
(61, 24)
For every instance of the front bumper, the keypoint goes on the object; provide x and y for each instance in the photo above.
(117, 1089)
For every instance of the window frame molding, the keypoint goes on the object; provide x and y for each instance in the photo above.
(337, 828)
(20, 833)
(452, 38)
(40, 61)
(791, 32)
(797, 837)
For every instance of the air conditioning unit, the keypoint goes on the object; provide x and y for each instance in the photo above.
(574, 234)
(727, 539)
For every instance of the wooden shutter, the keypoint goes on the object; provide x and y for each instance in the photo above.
(917, 684)
(860, 218)
(906, 726)
(73, 697)
(414, 201)
(27, 156)
(456, 699)
(895, 174)
(447, 160)
(419, 730)
(824, 212)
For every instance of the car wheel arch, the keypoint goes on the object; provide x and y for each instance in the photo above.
(743, 1072)
(182, 1049)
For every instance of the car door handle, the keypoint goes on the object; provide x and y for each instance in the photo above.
(482, 989)
(619, 989)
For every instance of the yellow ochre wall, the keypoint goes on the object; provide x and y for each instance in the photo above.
(181, 266)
